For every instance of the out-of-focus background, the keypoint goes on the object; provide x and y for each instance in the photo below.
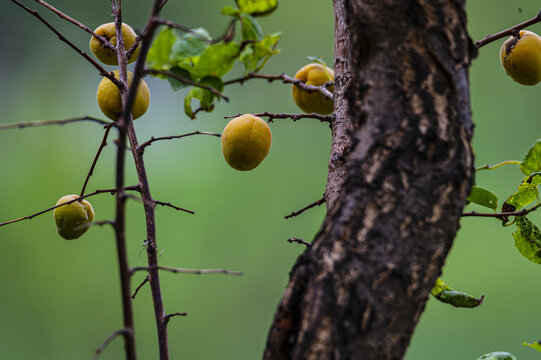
(60, 299)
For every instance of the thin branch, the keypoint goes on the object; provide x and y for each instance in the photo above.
(228, 34)
(163, 4)
(103, 223)
(287, 80)
(26, 124)
(104, 41)
(508, 32)
(187, 81)
(107, 341)
(188, 271)
(492, 167)
(139, 287)
(298, 241)
(173, 206)
(111, 191)
(294, 117)
(100, 68)
(141, 148)
(95, 161)
(150, 218)
(522, 212)
(169, 316)
(181, 27)
(314, 204)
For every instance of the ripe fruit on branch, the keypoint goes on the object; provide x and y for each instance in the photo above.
(73, 220)
(246, 141)
(314, 102)
(521, 58)
(108, 31)
(110, 102)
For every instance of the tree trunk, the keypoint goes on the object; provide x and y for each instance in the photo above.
(401, 167)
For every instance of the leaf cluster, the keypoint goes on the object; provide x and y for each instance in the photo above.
(195, 56)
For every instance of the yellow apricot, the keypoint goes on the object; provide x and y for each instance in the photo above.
(521, 58)
(313, 74)
(73, 220)
(110, 102)
(108, 31)
(246, 141)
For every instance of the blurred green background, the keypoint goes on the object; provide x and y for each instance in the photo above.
(60, 299)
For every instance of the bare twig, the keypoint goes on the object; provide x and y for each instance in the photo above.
(120, 208)
(287, 80)
(111, 191)
(173, 206)
(107, 341)
(298, 241)
(139, 287)
(103, 223)
(181, 27)
(228, 34)
(95, 161)
(314, 204)
(294, 117)
(100, 68)
(142, 147)
(176, 270)
(508, 32)
(502, 215)
(169, 316)
(187, 82)
(104, 41)
(152, 256)
(26, 124)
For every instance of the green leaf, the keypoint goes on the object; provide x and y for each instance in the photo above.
(527, 191)
(447, 295)
(528, 239)
(189, 45)
(158, 55)
(175, 84)
(229, 11)
(483, 197)
(257, 7)
(217, 60)
(532, 160)
(205, 97)
(497, 355)
(535, 345)
(250, 29)
(255, 56)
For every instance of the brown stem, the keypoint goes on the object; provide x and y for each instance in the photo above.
(102, 39)
(26, 124)
(502, 215)
(120, 214)
(142, 147)
(287, 80)
(187, 81)
(73, 46)
(148, 202)
(294, 117)
(95, 161)
(107, 341)
(298, 241)
(111, 191)
(176, 270)
(508, 32)
(314, 204)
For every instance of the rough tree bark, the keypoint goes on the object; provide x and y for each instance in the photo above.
(401, 167)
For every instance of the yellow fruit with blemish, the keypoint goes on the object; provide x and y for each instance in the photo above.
(246, 141)
(521, 57)
(110, 102)
(108, 31)
(74, 219)
(314, 102)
